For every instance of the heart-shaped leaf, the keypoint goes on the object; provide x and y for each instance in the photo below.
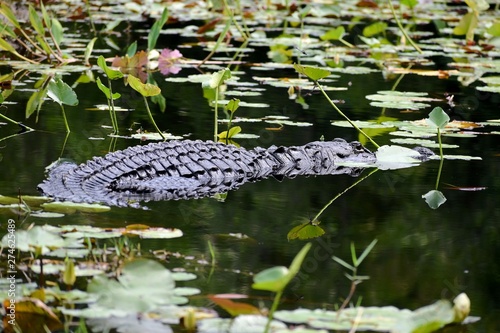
(61, 93)
(438, 118)
(314, 73)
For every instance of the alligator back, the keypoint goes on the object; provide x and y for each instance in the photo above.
(192, 169)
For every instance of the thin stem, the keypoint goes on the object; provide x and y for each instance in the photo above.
(216, 111)
(276, 302)
(87, 7)
(442, 158)
(340, 194)
(343, 115)
(112, 111)
(152, 119)
(16, 122)
(400, 26)
(65, 119)
(346, 43)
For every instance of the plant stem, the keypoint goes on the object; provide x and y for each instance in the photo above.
(442, 157)
(400, 26)
(340, 194)
(112, 111)
(65, 119)
(216, 111)
(343, 115)
(346, 43)
(16, 122)
(276, 302)
(152, 119)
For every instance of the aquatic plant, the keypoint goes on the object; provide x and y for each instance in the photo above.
(111, 74)
(62, 94)
(40, 49)
(275, 279)
(146, 90)
(438, 119)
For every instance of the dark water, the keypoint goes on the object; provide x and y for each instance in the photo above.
(422, 254)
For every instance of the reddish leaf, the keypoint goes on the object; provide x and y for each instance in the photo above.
(234, 308)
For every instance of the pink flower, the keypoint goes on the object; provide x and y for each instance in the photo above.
(167, 61)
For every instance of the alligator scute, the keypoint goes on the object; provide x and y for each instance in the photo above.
(193, 169)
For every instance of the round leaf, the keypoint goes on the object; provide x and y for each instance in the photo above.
(438, 118)
(61, 93)
(434, 198)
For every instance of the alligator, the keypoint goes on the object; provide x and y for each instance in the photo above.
(194, 169)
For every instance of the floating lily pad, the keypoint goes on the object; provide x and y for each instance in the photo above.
(155, 136)
(400, 100)
(68, 207)
(423, 143)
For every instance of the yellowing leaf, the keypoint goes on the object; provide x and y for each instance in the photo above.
(145, 89)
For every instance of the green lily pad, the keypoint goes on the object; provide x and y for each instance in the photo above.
(68, 207)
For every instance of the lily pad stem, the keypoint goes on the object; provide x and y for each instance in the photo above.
(216, 111)
(16, 122)
(111, 107)
(343, 115)
(152, 119)
(400, 26)
(340, 194)
(65, 119)
(442, 157)
(276, 302)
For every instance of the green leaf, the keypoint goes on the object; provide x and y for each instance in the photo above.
(334, 34)
(143, 286)
(45, 15)
(154, 33)
(409, 3)
(232, 132)
(69, 276)
(374, 29)
(145, 89)
(368, 249)
(297, 261)
(106, 91)
(434, 199)
(305, 231)
(494, 30)
(343, 263)
(35, 20)
(61, 93)
(438, 118)
(466, 26)
(233, 105)
(4, 45)
(313, 73)
(271, 279)
(112, 74)
(35, 101)
(9, 15)
(57, 31)
(217, 79)
(88, 50)
(132, 49)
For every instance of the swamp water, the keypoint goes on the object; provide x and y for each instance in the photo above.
(422, 254)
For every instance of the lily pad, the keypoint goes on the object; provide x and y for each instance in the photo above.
(68, 207)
